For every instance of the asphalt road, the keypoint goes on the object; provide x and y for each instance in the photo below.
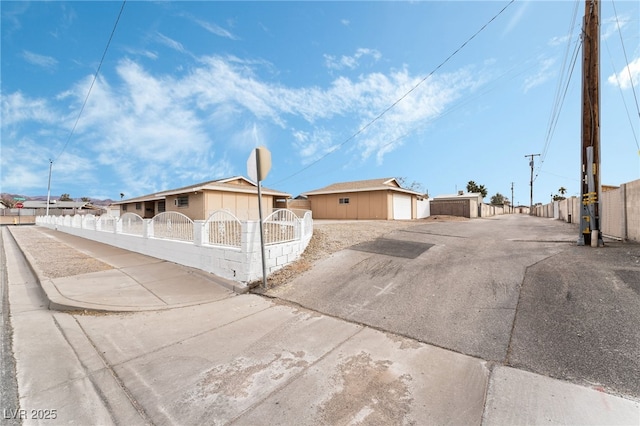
(513, 289)
(8, 382)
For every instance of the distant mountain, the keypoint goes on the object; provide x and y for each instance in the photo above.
(94, 201)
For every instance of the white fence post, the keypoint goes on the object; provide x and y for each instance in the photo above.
(147, 228)
(198, 232)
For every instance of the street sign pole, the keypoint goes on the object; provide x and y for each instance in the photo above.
(19, 206)
(258, 166)
(264, 263)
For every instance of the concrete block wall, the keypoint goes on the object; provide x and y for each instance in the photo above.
(619, 216)
(632, 206)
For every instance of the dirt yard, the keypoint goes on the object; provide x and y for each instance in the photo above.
(332, 236)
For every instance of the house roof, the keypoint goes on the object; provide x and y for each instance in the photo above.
(231, 184)
(382, 184)
(464, 196)
(42, 204)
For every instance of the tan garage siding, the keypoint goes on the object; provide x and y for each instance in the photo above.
(362, 205)
(244, 206)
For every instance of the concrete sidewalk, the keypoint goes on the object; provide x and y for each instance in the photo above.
(190, 351)
(99, 277)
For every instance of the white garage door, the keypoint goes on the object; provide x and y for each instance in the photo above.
(401, 206)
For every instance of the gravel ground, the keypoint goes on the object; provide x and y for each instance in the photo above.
(54, 258)
(332, 236)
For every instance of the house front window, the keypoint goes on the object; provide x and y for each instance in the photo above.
(162, 206)
(343, 201)
(182, 201)
(124, 207)
(138, 206)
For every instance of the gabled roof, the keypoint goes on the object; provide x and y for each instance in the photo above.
(231, 184)
(382, 184)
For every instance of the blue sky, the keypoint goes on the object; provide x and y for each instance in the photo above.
(337, 91)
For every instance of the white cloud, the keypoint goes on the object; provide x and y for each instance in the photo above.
(216, 29)
(351, 62)
(517, 16)
(612, 26)
(544, 74)
(42, 61)
(170, 43)
(149, 130)
(624, 78)
(313, 145)
(560, 41)
(16, 109)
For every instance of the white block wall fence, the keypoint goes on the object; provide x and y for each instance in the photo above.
(221, 245)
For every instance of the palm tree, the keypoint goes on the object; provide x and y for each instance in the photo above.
(562, 190)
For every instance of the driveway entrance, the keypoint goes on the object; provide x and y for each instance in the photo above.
(451, 284)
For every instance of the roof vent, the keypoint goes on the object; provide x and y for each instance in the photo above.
(460, 192)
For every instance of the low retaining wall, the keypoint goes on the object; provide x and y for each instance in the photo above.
(242, 264)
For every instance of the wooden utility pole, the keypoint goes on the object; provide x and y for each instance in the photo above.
(531, 182)
(590, 131)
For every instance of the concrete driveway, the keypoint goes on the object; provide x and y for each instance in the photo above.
(512, 289)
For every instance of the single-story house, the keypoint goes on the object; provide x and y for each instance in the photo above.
(236, 194)
(461, 204)
(59, 208)
(54, 204)
(365, 199)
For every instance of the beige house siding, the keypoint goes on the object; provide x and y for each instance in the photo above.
(237, 195)
(362, 205)
(195, 209)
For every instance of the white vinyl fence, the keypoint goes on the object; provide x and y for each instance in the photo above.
(222, 244)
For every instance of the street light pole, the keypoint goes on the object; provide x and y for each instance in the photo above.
(49, 186)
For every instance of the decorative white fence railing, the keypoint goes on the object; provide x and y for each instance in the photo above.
(132, 224)
(172, 225)
(223, 228)
(222, 244)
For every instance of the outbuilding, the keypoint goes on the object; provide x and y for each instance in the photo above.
(461, 204)
(383, 199)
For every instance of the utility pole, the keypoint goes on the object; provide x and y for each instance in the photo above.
(531, 182)
(512, 202)
(49, 186)
(590, 131)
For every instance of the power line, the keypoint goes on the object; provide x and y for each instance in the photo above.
(633, 89)
(560, 95)
(95, 77)
(379, 116)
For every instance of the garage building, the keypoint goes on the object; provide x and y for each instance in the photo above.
(381, 199)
